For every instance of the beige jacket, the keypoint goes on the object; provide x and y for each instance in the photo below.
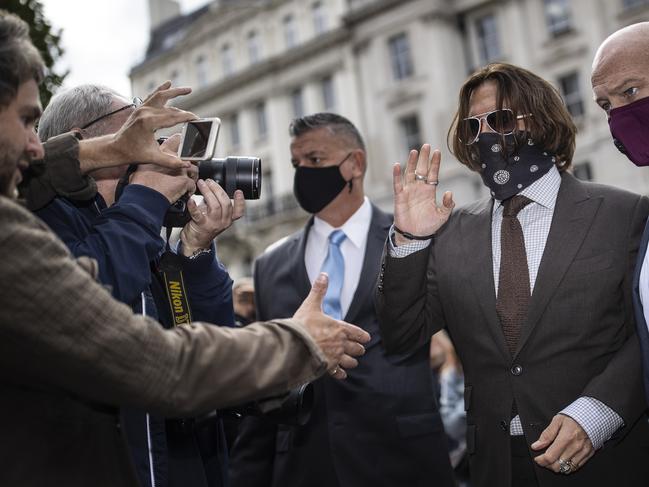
(67, 347)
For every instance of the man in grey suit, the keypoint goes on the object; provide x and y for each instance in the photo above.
(534, 286)
(69, 353)
(382, 426)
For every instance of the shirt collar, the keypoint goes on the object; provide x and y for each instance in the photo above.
(355, 228)
(543, 191)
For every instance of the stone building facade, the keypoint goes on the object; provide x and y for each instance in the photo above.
(393, 67)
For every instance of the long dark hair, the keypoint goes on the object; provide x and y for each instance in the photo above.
(523, 92)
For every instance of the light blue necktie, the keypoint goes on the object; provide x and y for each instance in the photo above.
(334, 266)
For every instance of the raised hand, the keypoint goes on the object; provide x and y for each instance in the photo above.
(135, 141)
(415, 205)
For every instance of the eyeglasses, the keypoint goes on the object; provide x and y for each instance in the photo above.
(502, 121)
(136, 103)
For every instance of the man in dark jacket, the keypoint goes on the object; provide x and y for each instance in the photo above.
(122, 233)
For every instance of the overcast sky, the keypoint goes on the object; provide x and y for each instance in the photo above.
(103, 39)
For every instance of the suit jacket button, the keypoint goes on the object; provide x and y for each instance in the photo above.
(516, 370)
(504, 425)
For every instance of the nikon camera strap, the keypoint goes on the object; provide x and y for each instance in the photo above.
(170, 269)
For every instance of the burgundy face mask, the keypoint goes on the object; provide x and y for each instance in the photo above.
(630, 129)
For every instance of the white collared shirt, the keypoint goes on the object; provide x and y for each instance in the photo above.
(352, 248)
(644, 288)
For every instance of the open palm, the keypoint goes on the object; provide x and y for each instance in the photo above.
(415, 194)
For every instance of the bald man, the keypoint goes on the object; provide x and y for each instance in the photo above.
(620, 82)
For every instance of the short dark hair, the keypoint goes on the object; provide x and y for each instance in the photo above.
(338, 124)
(20, 61)
(550, 125)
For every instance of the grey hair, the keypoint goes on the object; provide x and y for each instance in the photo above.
(74, 108)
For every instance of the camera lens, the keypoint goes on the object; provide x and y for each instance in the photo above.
(234, 172)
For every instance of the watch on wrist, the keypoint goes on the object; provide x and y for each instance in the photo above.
(198, 252)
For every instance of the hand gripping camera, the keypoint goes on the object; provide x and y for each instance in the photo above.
(198, 143)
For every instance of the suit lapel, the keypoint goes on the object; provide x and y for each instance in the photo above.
(573, 215)
(296, 263)
(376, 236)
(475, 226)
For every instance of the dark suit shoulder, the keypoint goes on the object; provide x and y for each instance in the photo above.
(280, 250)
(599, 189)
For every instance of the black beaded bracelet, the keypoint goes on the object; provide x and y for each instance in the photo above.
(411, 236)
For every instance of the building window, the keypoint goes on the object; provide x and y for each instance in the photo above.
(319, 19)
(290, 31)
(267, 187)
(227, 59)
(254, 47)
(201, 71)
(328, 95)
(297, 103)
(410, 132)
(400, 56)
(488, 40)
(260, 119)
(583, 171)
(558, 17)
(235, 136)
(569, 85)
(630, 4)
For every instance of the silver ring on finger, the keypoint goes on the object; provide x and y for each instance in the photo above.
(432, 183)
(419, 177)
(334, 371)
(566, 466)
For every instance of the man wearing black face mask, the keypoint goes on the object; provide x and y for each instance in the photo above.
(381, 426)
(621, 86)
(534, 286)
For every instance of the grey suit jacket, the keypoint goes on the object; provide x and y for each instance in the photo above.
(69, 353)
(578, 339)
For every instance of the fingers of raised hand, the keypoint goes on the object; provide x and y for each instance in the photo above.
(411, 166)
(423, 161)
(432, 175)
(164, 93)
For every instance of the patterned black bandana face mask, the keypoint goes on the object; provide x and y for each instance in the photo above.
(508, 170)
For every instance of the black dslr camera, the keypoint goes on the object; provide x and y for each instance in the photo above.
(232, 172)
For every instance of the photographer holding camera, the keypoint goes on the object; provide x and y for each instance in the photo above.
(120, 227)
(69, 353)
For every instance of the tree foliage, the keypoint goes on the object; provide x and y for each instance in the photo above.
(46, 39)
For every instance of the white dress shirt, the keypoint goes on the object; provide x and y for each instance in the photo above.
(644, 288)
(598, 420)
(352, 248)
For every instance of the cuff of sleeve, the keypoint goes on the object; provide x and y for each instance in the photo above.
(149, 202)
(407, 249)
(58, 174)
(598, 420)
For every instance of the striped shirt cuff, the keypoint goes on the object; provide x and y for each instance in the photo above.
(407, 249)
(598, 420)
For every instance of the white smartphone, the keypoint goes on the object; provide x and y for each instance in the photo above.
(198, 139)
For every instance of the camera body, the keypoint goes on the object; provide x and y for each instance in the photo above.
(198, 143)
